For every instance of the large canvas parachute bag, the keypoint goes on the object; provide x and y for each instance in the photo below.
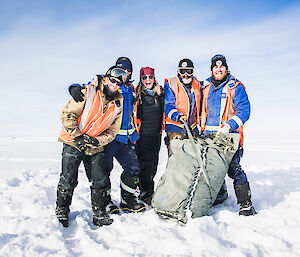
(194, 175)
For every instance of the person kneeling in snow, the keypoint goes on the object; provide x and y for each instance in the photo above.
(87, 127)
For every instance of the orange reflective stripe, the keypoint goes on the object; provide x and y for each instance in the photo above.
(196, 89)
(65, 136)
(204, 112)
(137, 122)
(87, 108)
(94, 109)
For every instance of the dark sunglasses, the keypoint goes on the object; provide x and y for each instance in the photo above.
(114, 81)
(144, 77)
(188, 71)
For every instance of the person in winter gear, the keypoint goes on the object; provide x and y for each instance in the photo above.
(225, 108)
(88, 126)
(149, 118)
(126, 64)
(182, 101)
(122, 147)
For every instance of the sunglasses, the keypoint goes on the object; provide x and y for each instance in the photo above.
(144, 77)
(114, 81)
(188, 71)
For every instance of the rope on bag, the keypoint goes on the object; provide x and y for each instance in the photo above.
(201, 159)
(198, 154)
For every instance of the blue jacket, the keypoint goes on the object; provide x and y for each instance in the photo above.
(227, 103)
(127, 130)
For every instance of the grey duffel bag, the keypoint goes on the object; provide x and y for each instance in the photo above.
(194, 175)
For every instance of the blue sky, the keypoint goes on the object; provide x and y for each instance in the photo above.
(47, 45)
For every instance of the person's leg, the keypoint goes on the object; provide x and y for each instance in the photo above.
(129, 178)
(222, 195)
(148, 151)
(71, 158)
(99, 189)
(241, 185)
(110, 151)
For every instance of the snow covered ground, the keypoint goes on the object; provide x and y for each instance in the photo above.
(30, 167)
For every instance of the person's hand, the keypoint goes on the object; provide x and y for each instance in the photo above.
(75, 92)
(90, 141)
(181, 118)
(224, 130)
(80, 144)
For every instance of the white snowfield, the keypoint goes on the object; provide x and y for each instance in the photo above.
(30, 169)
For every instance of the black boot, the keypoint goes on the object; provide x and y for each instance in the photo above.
(222, 195)
(146, 197)
(99, 203)
(111, 207)
(129, 200)
(243, 195)
(62, 209)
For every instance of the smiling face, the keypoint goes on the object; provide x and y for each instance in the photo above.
(113, 84)
(148, 81)
(219, 72)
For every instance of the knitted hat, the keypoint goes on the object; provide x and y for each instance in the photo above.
(146, 71)
(125, 63)
(218, 60)
(185, 63)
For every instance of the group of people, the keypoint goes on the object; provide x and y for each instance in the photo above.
(110, 118)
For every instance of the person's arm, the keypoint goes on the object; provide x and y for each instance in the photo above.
(241, 105)
(76, 92)
(170, 103)
(70, 115)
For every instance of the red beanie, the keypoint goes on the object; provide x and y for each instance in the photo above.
(146, 71)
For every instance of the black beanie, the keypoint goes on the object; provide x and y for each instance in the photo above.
(185, 63)
(125, 63)
(220, 59)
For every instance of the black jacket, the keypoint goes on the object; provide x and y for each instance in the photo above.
(150, 110)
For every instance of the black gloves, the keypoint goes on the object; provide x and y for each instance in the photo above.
(75, 92)
(80, 144)
(90, 141)
(85, 141)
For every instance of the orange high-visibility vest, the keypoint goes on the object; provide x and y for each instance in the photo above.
(183, 101)
(93, 119)
(227, 111)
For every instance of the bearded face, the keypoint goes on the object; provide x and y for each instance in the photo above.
(187, 80)
(219, 72)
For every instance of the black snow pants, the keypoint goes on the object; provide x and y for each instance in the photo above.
(94, 168)
(147, 150)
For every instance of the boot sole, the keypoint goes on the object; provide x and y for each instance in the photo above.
(126, 209)
(114, 211)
